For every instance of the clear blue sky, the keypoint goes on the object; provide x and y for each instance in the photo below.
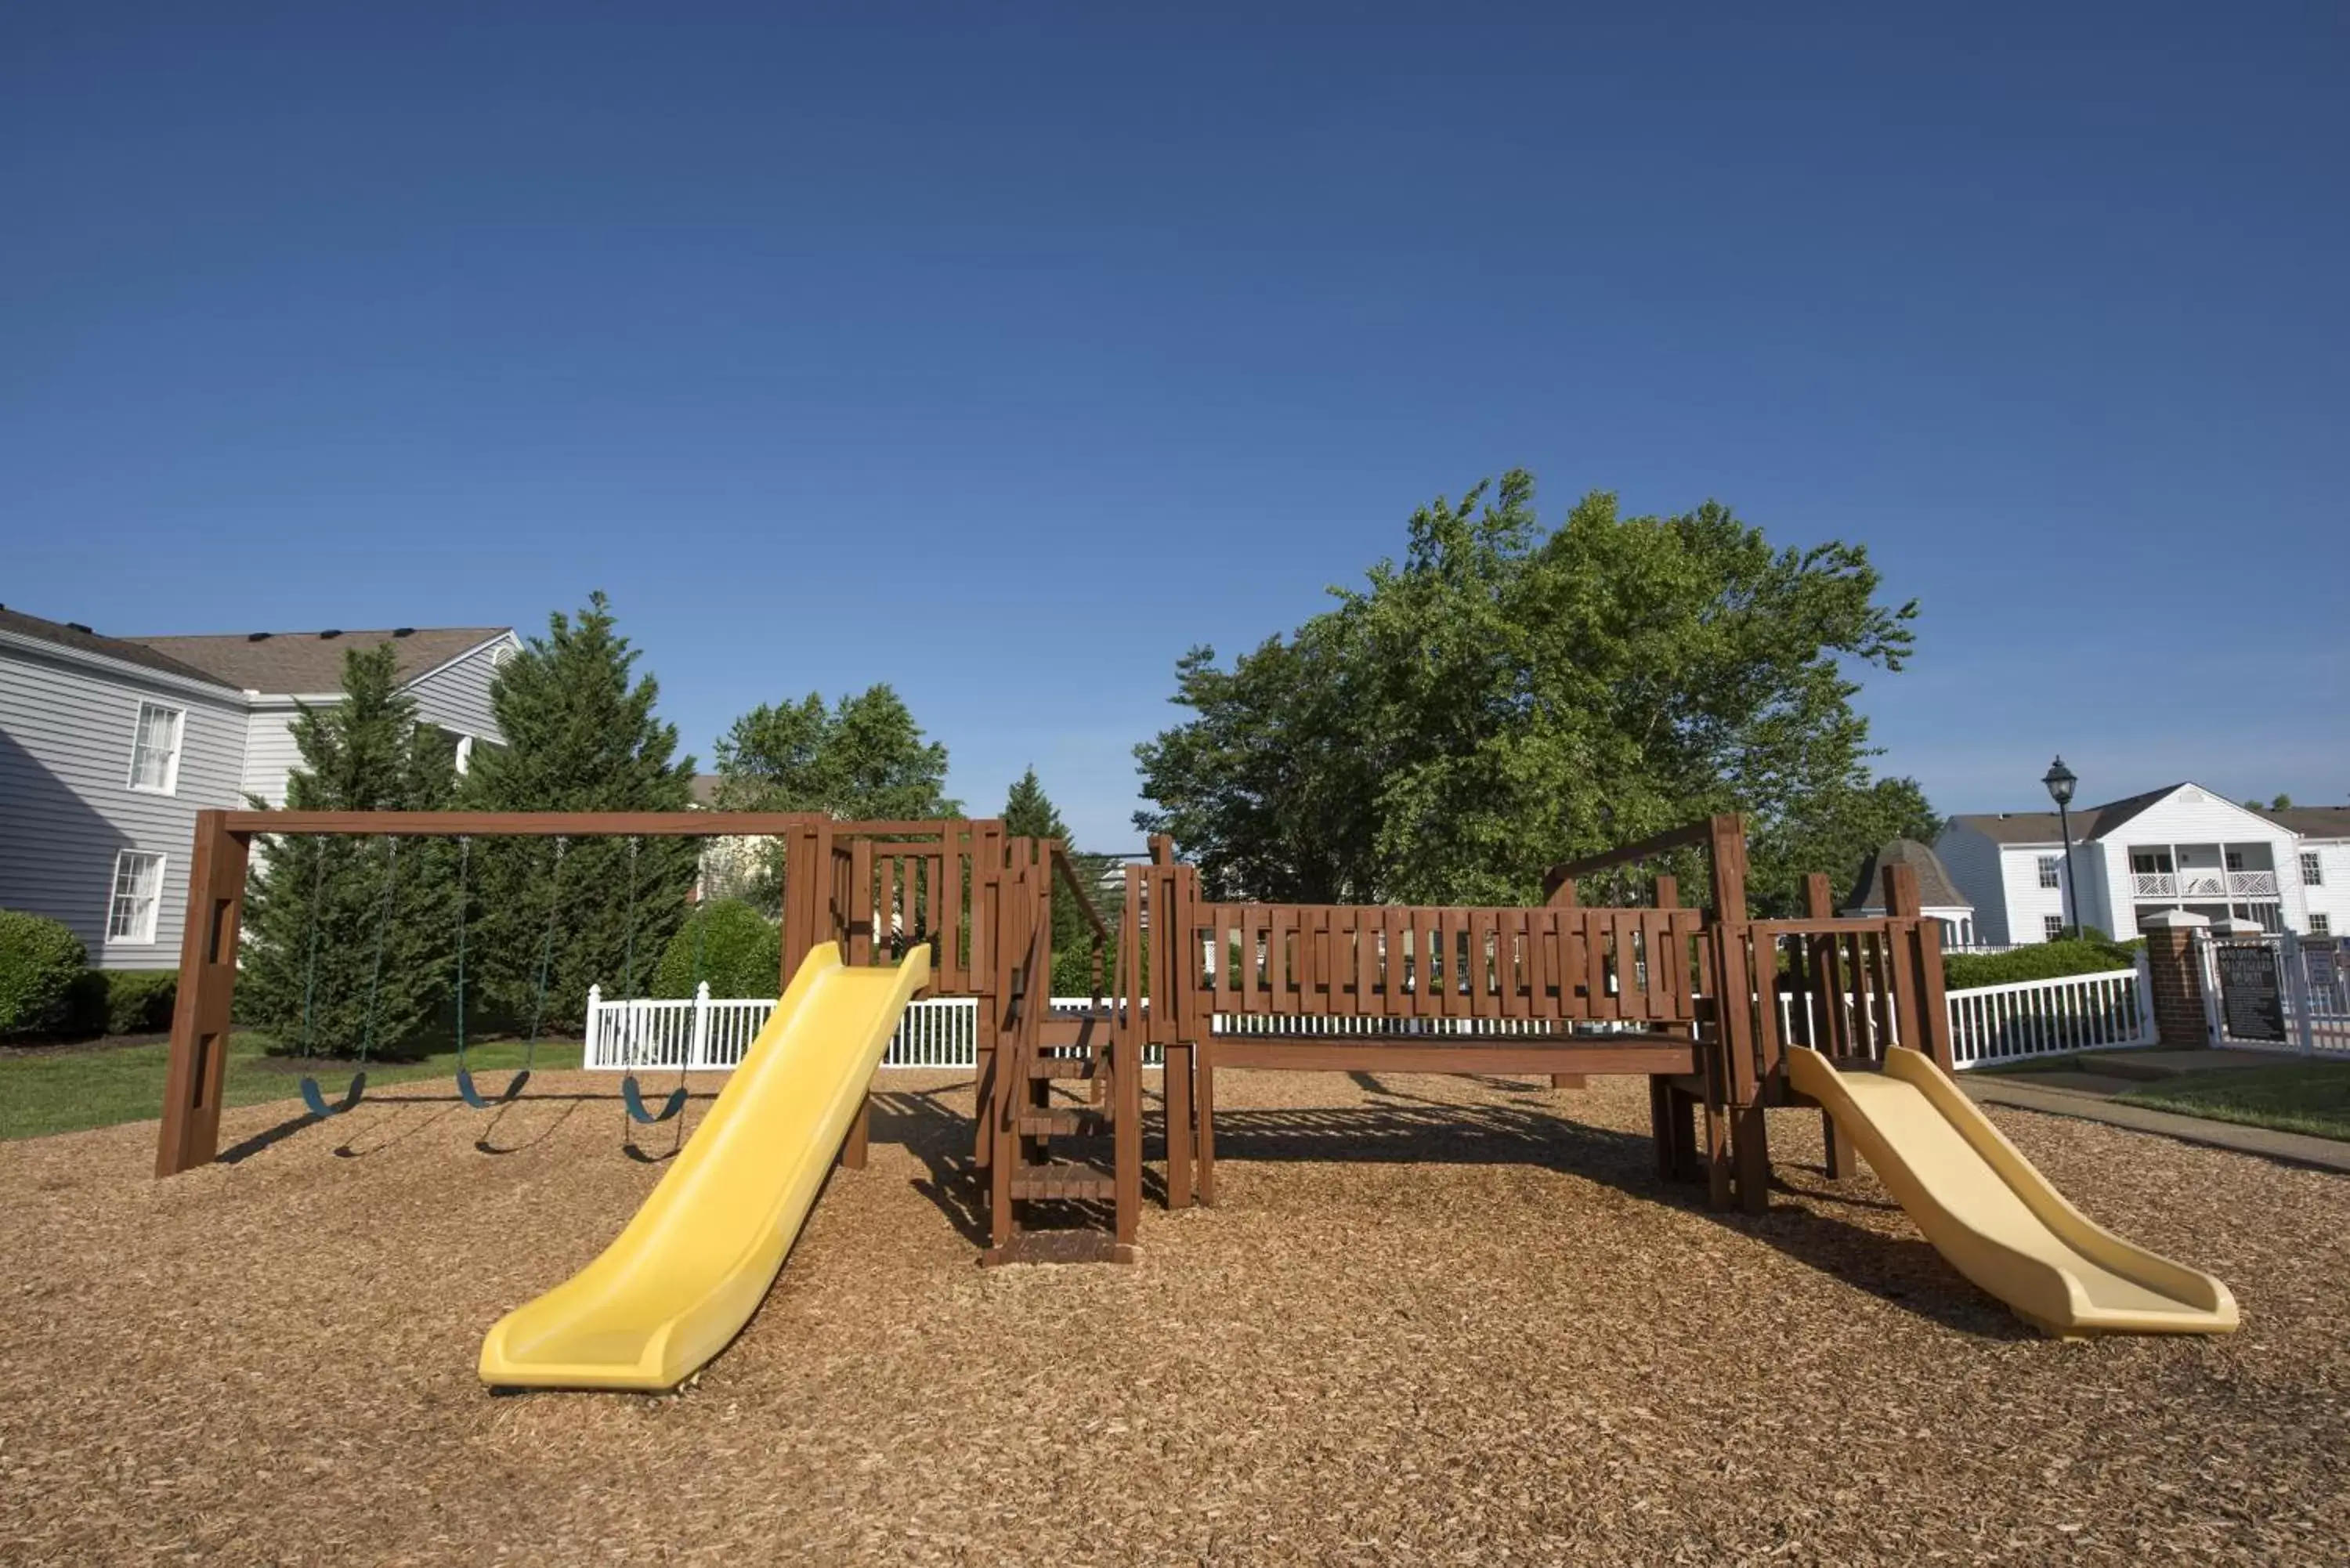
(1003, 351)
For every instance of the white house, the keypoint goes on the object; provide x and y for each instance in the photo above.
(2179, 848)
(2322, 860)
(110, 745)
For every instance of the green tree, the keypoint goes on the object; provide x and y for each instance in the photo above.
(314, 906)
(1510, 696)
(862, 760)
(1029, 813)
(580, 734)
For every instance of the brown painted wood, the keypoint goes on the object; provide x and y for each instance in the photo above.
(1656, 1054)
(860, 1132)
(201, 1014)
(1694, 834)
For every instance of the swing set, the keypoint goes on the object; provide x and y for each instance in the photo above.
(314, 1094)
(819, 861)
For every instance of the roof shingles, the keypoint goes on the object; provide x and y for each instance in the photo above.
(301, 663)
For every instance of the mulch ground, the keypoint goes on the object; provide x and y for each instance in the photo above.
(1431, 1320)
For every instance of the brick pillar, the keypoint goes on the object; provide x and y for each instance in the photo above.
(2176, 979)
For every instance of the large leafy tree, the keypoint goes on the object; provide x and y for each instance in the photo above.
(328, 958)
(580, 734)
(1509, 696)
(863, 759)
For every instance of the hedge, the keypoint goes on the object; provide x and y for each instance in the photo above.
(741, 953)
(39, 961)
(123, 1001)
(2041, 961)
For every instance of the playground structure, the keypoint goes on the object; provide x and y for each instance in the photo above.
(1692, 998)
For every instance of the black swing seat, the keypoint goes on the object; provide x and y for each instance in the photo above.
(316, 1099)
(634, 1098)
(472, 1095)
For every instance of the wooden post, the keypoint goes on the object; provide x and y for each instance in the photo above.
(1750, 1146)
(1926, 1022)
(1000, 1059)
(1842, 1160)
(207, 994)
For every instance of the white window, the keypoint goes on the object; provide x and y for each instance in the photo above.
(2235, 859)
(2313, 872)
(138, 891)
(2049, 867)
(155, 748)
(2051, 927)
(2321, 925)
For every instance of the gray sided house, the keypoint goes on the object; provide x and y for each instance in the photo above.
(110, 745)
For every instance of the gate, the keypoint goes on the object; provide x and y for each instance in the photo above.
(2280, 992)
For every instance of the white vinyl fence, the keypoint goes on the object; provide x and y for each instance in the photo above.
(713, 1034)
(1994, 1024)
(1989, 1024)
(2098, 1011)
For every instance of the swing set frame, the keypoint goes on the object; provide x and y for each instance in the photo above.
(814, 909)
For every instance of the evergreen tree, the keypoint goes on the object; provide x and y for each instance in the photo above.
(580, 735)
(1029, 813)
(314, 906)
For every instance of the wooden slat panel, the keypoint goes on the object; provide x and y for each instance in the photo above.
(1597, 927)
(1517, 963)
(1486, 979)
(1450, 927)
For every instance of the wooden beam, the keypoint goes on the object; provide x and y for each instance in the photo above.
(1658, 1055)
(1685, 837)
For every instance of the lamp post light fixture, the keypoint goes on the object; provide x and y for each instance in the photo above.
(2060, 782)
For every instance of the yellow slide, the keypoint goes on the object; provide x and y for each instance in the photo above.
(694, 1264)
(1994, 1217)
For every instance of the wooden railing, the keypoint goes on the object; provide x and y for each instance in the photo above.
(1552, 966)
(878, 887)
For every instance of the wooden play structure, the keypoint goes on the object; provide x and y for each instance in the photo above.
(1727, 1016)
(1198, 986)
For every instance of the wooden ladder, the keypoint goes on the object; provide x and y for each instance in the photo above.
(1054, 1193)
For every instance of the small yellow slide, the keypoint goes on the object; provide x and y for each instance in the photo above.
(1994, 1217)
(694, 1264)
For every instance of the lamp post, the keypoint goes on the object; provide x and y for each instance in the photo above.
(2060, 782)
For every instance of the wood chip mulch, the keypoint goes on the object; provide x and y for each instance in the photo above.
(1432, 1320)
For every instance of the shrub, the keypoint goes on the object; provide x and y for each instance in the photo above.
(119, 1002)
(2043, 961)
(139, 1001)
(741, 953)
(40, 960)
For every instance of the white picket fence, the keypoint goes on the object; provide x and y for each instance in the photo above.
(706, 1034)
(1989, 1024)
(1994, 1023)
(2098, 1011)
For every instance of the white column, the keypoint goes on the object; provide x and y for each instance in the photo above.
(698, 1055)
(589, 1051)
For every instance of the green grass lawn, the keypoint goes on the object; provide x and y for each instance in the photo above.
(71, 1088)
(2311, 1097)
